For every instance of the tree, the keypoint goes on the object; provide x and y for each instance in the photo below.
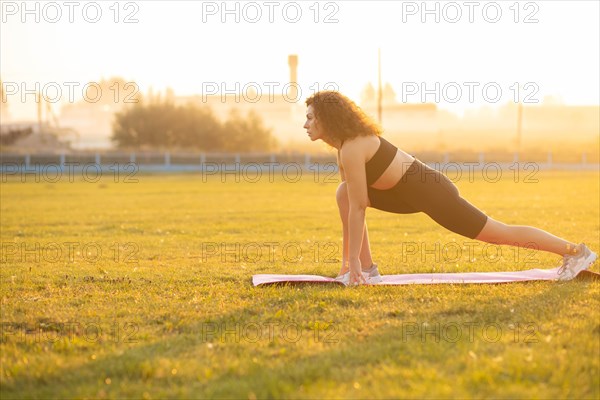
(247, 134)
(145, 125)
(162, 124)
(197, 128)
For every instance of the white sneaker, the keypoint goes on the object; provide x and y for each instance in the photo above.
(374, 276)
(371, 276)
(345, 278)
(574, 264)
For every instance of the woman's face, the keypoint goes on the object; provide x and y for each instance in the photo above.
(311, 125)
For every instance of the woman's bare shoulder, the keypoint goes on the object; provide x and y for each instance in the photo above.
(359, 148)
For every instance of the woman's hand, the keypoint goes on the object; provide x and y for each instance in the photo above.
(356, 276)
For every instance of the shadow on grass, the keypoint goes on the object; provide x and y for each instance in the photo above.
(345, 367)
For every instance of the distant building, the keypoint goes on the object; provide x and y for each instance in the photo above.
(92, 121)
(28, 137)
(413, 125)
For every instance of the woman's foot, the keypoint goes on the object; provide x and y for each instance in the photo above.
(345, 278)
(574, 264)
(374, 276)
(371, 275)
(345, 269)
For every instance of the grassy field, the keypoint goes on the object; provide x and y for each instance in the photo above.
(143, 290)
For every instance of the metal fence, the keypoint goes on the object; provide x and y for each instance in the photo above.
(11, 163)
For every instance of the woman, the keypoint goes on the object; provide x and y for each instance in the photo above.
(377, 174)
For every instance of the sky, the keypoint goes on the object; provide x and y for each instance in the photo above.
(450, 49)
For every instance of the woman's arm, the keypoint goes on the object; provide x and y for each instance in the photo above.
(341, 167)
(353, 163)
(344, 225)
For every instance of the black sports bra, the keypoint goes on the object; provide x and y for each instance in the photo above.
(380, 161)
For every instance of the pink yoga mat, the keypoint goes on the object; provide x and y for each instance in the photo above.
(428, 279)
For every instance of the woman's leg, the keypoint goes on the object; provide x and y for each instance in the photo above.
(365, 249)
(439, 198)
(524, 236)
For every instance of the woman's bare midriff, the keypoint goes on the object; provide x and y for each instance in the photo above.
(396, 170)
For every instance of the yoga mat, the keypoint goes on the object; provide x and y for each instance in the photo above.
(428, 279)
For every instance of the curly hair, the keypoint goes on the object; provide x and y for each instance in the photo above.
(340, 117)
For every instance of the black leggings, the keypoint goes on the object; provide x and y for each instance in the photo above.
(424, 189)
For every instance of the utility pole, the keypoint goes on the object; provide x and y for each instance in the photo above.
(39, 111)
(293, 64)
(293, 92)
(379, 91)
(519, 126)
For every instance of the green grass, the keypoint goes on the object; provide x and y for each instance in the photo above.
(166, 316)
